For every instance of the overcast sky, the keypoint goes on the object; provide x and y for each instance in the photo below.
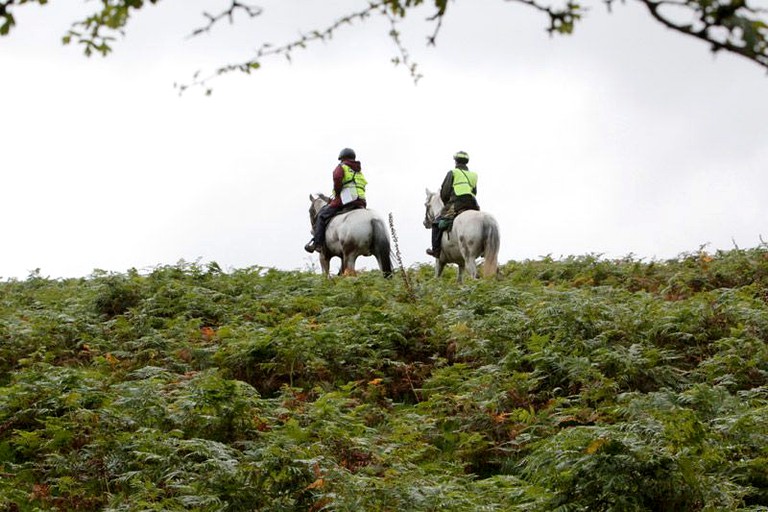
(624, 138)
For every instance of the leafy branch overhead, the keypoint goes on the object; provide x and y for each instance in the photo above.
(735, 26)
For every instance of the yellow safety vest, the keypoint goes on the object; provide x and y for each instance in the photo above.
(464, 182)
(352, 185)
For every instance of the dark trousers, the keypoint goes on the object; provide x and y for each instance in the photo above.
(325, 214)
(437, 237)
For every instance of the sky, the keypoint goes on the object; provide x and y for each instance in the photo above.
(623, 139)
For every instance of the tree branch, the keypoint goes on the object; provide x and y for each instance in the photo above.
(562, 20)
(250, 10)
(285, 50)
(733, 26)
(404, 57)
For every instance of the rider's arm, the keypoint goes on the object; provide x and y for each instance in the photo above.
(446, 189)
(338, 179)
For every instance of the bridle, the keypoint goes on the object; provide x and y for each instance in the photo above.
(429, 217)
(314, 212)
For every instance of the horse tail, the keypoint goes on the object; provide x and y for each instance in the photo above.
(491, 242)
(381, 247)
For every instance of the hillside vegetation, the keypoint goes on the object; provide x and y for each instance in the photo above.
(579, 384)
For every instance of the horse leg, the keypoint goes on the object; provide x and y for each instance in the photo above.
(467, 249)
(471, 267)
(348, 265)
(325, 264)
(439, 266)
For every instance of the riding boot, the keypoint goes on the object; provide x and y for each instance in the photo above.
(437, 235)
(320, 223)
(311, 246)
(319, 240)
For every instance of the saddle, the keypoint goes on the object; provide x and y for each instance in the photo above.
(444, 221)
(445, 224)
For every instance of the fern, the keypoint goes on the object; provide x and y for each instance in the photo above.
(573, 384)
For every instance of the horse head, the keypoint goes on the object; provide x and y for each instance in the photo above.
(316, 202)
(433, 206)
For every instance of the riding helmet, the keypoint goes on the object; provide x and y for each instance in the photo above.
(347, 154)
(461, 157)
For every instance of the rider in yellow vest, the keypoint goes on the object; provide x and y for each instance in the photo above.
(458, 192)
(348, 194)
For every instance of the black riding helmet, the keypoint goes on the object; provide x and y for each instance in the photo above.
(347, 154)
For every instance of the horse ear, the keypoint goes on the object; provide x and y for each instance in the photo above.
(311, 197)
(428, 192)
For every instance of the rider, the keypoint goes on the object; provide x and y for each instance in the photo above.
(458, 193)
(348, 194)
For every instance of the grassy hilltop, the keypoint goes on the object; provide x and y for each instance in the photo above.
(578, 384)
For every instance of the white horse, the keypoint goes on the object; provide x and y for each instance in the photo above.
(474, 234)
(350, 234)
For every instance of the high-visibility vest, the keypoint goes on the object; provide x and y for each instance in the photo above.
(352, 185)
(464, 182)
